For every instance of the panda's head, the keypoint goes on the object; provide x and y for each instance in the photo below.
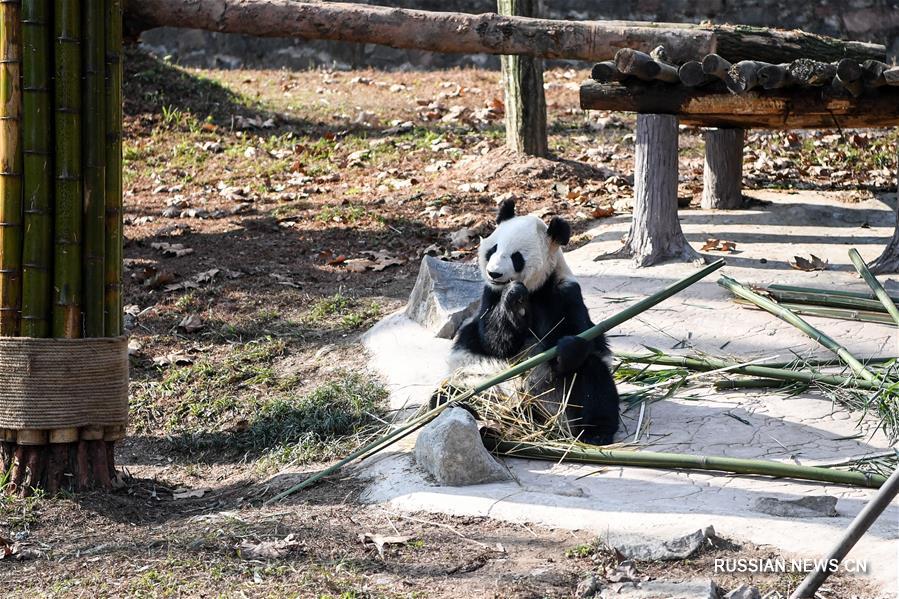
(522, 248)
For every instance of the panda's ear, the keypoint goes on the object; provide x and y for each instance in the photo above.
(506, 211)
(559, 231)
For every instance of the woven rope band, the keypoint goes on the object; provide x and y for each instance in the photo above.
(58, 383)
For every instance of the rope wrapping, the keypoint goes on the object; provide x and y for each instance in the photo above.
(61, 383)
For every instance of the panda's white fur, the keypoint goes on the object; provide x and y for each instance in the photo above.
(527, 235)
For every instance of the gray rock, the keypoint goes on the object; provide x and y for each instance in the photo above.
(588, 587)
(822, 506)
(450, 449)
(646, 548)
(690, 589)
(445, 294)
(744, 591)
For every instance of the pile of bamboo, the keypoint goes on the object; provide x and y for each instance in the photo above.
(848, 75)
(60, 174)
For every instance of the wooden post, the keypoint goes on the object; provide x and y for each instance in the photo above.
(722, 177)
(523, 85)
(655, 234)
(888, 261)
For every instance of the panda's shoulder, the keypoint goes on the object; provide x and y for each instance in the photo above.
(561, 289)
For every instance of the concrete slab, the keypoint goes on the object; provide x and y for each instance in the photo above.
(804, 428)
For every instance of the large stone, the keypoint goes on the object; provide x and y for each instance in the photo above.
(744, 591)
(445, 294)
(646, 548)
(816, 506)
(689, 589)
(451, 450)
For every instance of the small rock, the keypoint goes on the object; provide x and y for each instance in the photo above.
(445, 294)
(450, 449)
(644, 548)
(588, 587)
(822, 506)
(690, 589)
(744, 591)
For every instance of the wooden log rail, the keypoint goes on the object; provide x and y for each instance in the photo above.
(813, 108)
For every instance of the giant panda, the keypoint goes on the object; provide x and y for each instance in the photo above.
(531, 302)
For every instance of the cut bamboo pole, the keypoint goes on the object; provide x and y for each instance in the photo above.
(828, 312)
(825, 298)
(768, 371)
(68, 196)
(10, 167)
(787, 316)
(113, 275)
(874, 284)
(520, 368)
(93, 144)
(653, 459)
(37, 251)
(835, 292)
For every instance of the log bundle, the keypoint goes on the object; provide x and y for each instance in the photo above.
(714, 92)
(60, 211)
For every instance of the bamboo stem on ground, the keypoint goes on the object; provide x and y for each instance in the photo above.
(520, 368)
(10, 167)
(770, 372)
(37, 257)
(68, 204)
(653, 459)
(93, 145)
(113, 325)
(828, 312)
(822, 298)
(874, 284)
(787, 316)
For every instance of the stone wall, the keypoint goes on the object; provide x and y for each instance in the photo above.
(863, 20)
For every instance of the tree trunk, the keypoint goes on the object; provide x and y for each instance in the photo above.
(804, 108)
(79, 466)
(655, 234)
(523, 85)
(487, 33)
(888, 261)
(722, 177)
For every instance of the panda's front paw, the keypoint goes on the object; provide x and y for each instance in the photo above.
(515, 297)
(572, 353)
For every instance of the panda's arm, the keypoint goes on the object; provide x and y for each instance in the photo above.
(496, 331)
(573, 351)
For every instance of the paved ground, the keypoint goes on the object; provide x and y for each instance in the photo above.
(760, 424)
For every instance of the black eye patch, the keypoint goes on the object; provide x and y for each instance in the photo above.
(518, 261)
(490, 252)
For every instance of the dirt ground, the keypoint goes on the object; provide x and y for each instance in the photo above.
(271, 216)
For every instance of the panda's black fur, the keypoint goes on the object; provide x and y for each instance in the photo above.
(531, 302)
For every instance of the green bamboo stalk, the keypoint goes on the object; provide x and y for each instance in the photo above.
(832, 292)
(10, 167)
(752, 384)
(787, 316)
(825, 299)
(113, 325)
(823, 362)
(93, 145)
(520, 368)
(828, 312)
(37, 251)
(770, 372)
(68, 192)
(874, 284)
(653, 459)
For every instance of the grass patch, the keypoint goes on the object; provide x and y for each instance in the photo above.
(242, 405)
(342, 311)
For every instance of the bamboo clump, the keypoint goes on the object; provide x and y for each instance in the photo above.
(60, 207)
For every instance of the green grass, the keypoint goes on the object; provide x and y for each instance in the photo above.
(343, 312)
(242, 404)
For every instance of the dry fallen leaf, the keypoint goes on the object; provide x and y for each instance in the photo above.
(191, 323)
(809, 264)
(718, 245)
(380, 541)
(268, 549)
(603, 212)
(172, 249)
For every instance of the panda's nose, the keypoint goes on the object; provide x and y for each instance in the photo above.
(495, 275)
